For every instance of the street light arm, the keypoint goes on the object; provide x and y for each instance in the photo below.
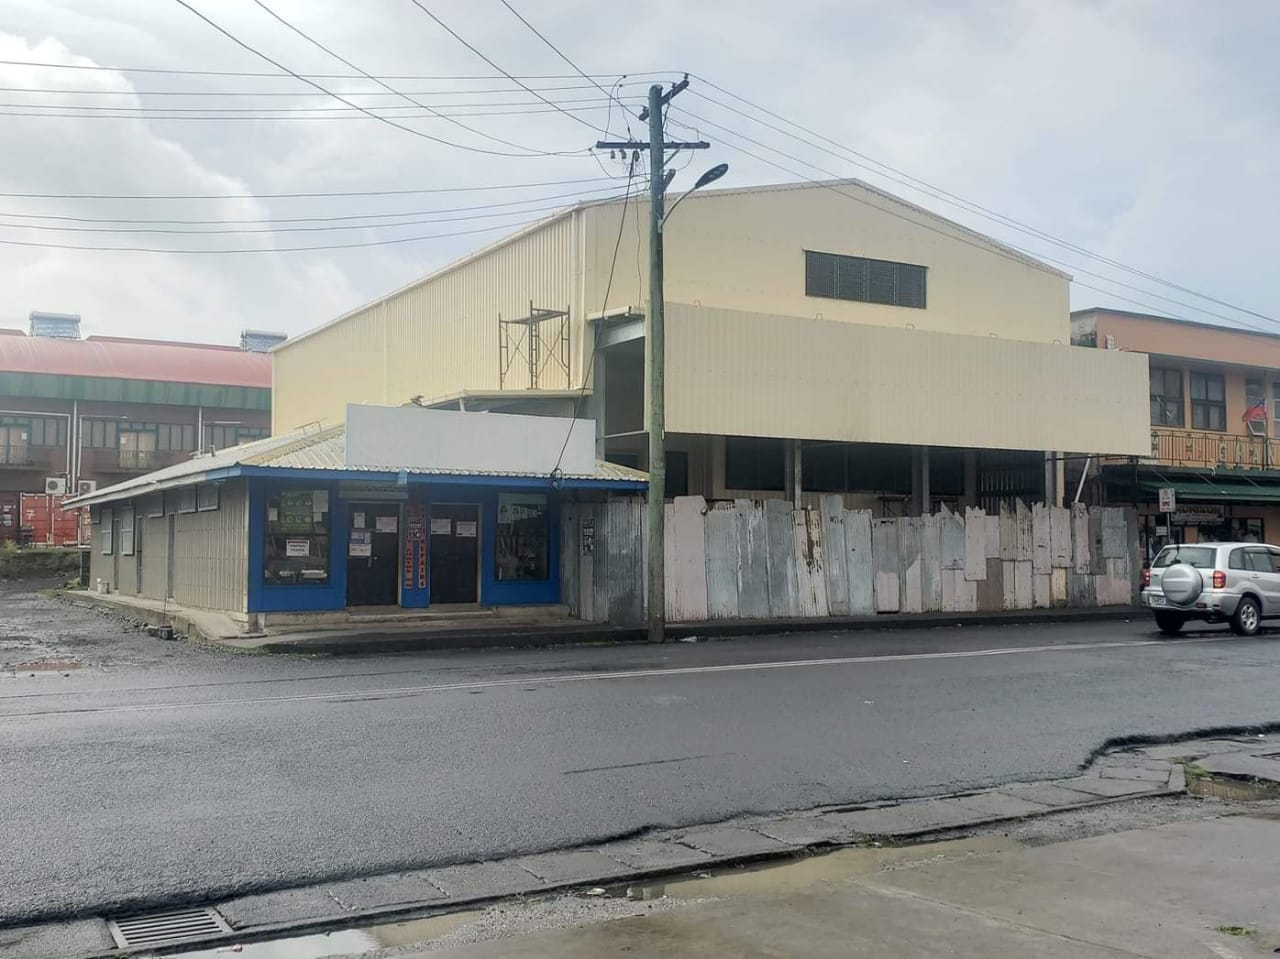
(715, 173)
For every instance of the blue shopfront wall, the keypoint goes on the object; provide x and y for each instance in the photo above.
(483, 491)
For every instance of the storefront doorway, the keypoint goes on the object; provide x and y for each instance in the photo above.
(373, 554)
(455, 553)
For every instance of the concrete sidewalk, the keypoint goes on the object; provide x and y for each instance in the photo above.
(511, 629)
(1199, 889)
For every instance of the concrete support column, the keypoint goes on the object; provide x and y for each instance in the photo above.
(970, 497)
(1051, 486)
(925, 495)
(596, 405)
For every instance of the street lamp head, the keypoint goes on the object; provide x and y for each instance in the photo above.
(715, 173)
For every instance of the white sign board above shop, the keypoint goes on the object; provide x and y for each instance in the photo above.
(1168, 499)
(409, 437)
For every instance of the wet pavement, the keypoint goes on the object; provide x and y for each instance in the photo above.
(166, 772)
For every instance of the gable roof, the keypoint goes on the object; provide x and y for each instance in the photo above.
(127, 359)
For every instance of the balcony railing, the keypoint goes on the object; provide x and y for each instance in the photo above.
(1205, 449)
(15, 454)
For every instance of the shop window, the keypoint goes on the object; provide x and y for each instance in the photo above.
(155, 505)
(752, 463)
(1208, 402)
(207, 497)
(1166, 397)
(126, 531)
(187, 499)
(106, 536)
(296, 544)
(523, 543)
(1255, 407)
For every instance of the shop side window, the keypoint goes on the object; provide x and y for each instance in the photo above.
(523, 544)
(296, 544)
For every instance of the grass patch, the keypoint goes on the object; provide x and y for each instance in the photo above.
(1237, 931)
(21, 563)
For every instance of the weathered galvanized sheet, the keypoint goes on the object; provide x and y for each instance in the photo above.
(1097, 559)
(1081, 590)
(1058, 587)
(1041, 589)
(1080, 542)
(954, 546)
(991, 589)
(624, 534)
(1040, 535)
(753, 560)
(1008, 535)
(1023, 545)
(975, 545)
(811, 577)
(1024, 596)
(1114, 545)
(835, 555)
(859, 562)
(1114, 589)
(722, 562)
(1059, 537)
(570, 537)
(993, 536)
(910, 597)
(966, 592)
(1009, 574)
(884, 548)
(686, 555)
(931, 563)
(780, 536)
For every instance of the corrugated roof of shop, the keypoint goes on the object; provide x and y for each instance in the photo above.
(127, 359)
(320, 450)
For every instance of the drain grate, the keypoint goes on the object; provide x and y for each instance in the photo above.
(161, 927)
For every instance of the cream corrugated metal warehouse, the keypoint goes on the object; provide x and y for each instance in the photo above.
(903, 359)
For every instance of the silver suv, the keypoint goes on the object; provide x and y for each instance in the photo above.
(1236, 583)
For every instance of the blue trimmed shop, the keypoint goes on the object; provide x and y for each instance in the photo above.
(399, 508)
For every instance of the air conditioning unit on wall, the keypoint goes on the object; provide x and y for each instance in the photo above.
(55, 485)
(85, 487)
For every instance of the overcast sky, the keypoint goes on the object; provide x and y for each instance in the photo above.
(1145, 131)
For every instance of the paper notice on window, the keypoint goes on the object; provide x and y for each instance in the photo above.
(388, 524)
(357, 520)
(360, 549)
(320, 501)
(466, 528)
(297, 547)
(442, 526)
(273, 514)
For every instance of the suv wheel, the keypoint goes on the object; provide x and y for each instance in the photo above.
(1247, 619)
(1170, 623)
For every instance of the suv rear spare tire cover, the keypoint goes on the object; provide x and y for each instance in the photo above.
(1181, 584)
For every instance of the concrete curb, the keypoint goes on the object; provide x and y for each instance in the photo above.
(665, 853)
(590, 634)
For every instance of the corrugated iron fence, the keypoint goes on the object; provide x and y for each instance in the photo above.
(750, 560)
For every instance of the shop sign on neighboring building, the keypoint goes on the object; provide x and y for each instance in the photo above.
(1168, 499)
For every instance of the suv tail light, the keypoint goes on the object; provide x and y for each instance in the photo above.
(1146, 577)
(1219, 579)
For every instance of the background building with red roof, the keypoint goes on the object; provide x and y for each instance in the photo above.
(77, 413)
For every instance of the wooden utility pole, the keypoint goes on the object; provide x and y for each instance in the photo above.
(655, 379)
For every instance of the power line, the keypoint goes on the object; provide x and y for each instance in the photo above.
(608, 287)
(295, 94)
(292, 116)
(973, 207)
(312, 76)
(309, 219)
(313, 195)
(597, 103)
(988, 248)
(275, 63)
(561, 54)
(322, 228)
(382, 83)
(448, 29)
(278, 249)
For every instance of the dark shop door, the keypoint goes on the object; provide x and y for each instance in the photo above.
(373, 554)
(455, 553)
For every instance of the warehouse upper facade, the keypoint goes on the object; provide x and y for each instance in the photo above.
(827, 332)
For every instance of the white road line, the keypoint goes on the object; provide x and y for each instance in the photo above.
(627, 674)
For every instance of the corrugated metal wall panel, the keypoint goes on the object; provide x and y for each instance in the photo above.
(211, 559)
(434, 338)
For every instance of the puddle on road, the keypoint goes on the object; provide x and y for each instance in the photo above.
(344, 942)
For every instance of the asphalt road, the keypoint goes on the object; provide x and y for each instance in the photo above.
(160, 772)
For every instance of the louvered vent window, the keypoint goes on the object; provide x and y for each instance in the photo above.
(864, 280)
